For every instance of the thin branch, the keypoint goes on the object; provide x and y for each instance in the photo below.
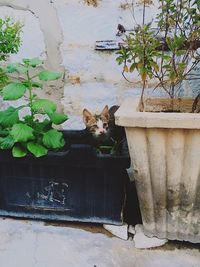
(126, 78)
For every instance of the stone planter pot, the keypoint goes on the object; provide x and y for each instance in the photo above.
(165, 156)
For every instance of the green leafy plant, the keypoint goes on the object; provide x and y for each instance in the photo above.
(4, 79)
(9, 37)
(168, 53)
(113, 148)
(139, 54)
(31, 132)
(10, 42)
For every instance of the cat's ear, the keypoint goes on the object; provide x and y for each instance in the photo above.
(105, 112)
(86, 115)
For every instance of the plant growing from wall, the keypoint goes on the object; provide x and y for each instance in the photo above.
(28, 133)
(168, 54)
(9, 43)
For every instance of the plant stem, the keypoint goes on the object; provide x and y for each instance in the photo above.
(141, 104)
(30, 96)
(143, 15)
(172, 90)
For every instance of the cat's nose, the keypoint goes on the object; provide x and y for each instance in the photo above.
(101, 131)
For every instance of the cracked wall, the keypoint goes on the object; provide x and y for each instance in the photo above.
(41, 37)
(93, 78)
(63, 33)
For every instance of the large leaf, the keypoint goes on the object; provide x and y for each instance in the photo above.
(6, 142)
(53, 139)
(21, 132)
(34, 62)
(18, 152)
(13, 91)
(49, 75)
(41, 127)
(36, 149)
(9, 117)
(4, 132)
(57, 118)
(43, 106)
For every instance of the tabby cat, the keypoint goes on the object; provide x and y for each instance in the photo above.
(103, 129)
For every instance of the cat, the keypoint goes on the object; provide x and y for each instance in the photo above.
(102, 128)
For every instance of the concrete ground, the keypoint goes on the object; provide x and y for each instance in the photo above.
(26, 243)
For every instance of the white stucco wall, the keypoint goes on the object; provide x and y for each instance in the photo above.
(63, 33)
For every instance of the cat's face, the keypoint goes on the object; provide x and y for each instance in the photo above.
(97, 125)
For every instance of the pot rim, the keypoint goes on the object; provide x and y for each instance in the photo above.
(129, 116)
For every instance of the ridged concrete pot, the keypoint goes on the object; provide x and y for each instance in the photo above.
(165, 154)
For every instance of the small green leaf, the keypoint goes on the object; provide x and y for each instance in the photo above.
(53, 139)
(36, 84)
(43, 106)
(9, 117)
(21, 132)
(180, 52)
(36, 149)
(13, 91)
(10, 68)
(166, 57)
(21, 69)
(26, 61)
(6, 142)
(32, 84)
(57, 118)
(34, 62)
(49, 75)
(16, 67)
(132, 67)
(18, 152)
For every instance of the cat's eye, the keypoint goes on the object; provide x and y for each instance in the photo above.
(94, 127)
(105, 125)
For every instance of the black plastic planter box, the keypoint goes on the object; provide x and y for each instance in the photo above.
(76, 185)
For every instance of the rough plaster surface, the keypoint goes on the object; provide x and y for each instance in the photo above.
(33, 244)
(63, 32)
(99, 79)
